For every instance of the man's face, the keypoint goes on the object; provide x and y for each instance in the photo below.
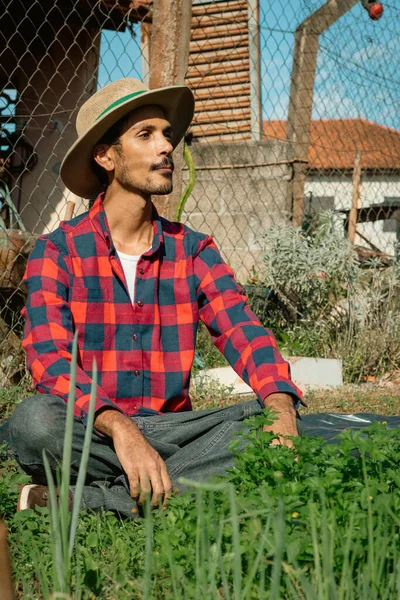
(143, 158)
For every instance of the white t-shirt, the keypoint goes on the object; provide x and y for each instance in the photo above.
(129, 263)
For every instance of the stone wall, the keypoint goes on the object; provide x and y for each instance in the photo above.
(242, 188)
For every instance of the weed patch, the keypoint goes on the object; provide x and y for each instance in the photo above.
(323, 526)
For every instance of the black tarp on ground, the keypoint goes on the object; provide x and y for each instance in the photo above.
(325, 425)
(329, 425)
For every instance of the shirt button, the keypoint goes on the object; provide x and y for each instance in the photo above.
(136, 373)
(134, 336)
(140, 303)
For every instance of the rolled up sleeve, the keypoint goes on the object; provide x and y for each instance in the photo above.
(250, 348)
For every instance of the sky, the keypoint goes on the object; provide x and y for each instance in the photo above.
(358, 71)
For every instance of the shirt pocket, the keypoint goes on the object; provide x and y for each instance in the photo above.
(92, 313)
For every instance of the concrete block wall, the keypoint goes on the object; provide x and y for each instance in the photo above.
(241, 189)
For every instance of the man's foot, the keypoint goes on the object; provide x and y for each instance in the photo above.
(31, 496)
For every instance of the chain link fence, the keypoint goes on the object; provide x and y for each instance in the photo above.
(251, 169)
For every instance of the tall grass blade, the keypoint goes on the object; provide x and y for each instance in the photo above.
(346, 569)
(237, 556)
(148, 567)
(167, 544)
(371, 551)
(315, 542)
(257, 560)
(41, 571)
(80, 483)
(220, 561)
(279, 545)
(67, 453)
(202, 546)
(59, 567)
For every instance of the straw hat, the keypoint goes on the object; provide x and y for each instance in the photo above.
(105, 108)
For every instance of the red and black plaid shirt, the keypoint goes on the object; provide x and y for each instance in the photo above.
(145, 351)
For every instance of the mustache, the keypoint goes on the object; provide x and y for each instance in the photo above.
(167, 163)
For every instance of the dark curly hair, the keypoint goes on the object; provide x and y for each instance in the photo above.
(110, 138)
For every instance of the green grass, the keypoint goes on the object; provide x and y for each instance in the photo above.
(323, 527)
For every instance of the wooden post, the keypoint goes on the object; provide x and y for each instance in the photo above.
(6, 585)
(355, 197)
(255, 70)
(169, 57)
(302, 92)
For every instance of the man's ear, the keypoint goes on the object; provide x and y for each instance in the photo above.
(104, 156)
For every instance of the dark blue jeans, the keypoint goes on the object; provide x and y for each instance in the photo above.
(192, 444)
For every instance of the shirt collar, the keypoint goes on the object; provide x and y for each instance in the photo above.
(98, 218)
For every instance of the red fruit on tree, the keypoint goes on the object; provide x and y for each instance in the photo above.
(375, 11)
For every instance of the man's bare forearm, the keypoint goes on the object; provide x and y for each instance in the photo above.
(285, 425)
(109, 421)
(144, 467)
(280, 402)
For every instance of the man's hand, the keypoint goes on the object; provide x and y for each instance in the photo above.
(286, 419)
(144, 467)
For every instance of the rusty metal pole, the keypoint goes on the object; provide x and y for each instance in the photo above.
(302, 92)
(6, 586)
(355, 197)
(169, 57)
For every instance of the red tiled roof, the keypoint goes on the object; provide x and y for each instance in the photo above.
(335, 141)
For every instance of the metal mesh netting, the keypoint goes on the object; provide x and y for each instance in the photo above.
(251, 169)
(53, 55)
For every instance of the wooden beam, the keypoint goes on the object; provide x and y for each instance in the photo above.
(255, 70)
(355, 197)
(302, 92)
(169, 56)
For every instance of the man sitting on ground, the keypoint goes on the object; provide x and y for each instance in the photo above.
(134, 286)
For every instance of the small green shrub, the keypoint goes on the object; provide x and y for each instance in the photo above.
(322, 302)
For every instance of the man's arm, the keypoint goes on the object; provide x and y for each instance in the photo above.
(144, 467)
(49, 330)
(285, 425)
(235, 330)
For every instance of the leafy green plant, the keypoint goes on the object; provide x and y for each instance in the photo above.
(323, 527)
(10, 480)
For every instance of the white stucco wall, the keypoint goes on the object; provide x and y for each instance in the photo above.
(374, 190)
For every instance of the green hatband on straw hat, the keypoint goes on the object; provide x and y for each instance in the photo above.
(107, 106)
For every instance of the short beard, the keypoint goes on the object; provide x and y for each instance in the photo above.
(130, 184)
(160, 189)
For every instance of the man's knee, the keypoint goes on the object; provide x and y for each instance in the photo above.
(37, 424)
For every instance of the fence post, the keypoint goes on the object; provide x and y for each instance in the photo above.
(255, 69)
(6, 586)
(355, 197)
(302, 92)
(169, 57)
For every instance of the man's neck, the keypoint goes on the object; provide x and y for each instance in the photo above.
(129, 217)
